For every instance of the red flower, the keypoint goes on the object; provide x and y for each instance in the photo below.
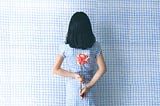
(82, 59)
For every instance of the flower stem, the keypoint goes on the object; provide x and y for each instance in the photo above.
(82, 75)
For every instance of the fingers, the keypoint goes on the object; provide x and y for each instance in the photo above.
(83, 96)
(81, 78)
(83, 93)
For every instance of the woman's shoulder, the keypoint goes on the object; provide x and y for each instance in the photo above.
(96, 45)
(96, 48)
(62, 45)
(63, 48)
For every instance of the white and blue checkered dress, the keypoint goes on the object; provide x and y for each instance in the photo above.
(72, 85)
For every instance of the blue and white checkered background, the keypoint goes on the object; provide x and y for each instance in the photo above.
(30, 33)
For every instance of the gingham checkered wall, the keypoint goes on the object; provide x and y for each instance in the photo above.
(30, 33)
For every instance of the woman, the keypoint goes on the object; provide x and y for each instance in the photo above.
(80, 44)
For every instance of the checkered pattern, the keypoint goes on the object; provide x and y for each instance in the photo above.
(31, 31)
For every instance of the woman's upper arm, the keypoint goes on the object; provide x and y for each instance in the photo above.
(101, 62)
(58, 62)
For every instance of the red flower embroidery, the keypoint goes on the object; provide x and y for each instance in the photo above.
(82, 59)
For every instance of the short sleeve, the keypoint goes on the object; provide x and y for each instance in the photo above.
(98, 49)
(62, 50)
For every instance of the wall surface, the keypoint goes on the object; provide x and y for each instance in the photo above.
(31, 31)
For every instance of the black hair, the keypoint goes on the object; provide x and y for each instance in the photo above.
(80, 33)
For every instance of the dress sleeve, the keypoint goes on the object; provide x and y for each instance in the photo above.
(62, 50)
(98, 49)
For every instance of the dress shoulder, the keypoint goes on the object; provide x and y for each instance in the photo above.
(97, 48)
(62, 49)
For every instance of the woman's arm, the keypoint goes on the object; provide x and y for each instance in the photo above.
(101, 70)
(62, 72)
(58, 70)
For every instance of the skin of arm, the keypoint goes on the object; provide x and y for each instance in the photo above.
(62, 72)
(101, 70)
(58, 70)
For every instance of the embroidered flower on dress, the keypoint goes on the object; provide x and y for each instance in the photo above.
(82, 59)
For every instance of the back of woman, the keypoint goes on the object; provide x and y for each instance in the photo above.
(82, 53)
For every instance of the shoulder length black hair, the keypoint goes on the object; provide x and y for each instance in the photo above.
(80, 33)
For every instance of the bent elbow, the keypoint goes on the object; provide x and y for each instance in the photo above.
(54, 71)
(104, 69)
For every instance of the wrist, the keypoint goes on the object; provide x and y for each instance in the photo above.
(88, 87)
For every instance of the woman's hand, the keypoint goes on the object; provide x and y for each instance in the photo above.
(83, 92)
(80, 78)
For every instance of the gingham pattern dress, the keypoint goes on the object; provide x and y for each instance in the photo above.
(73, 85)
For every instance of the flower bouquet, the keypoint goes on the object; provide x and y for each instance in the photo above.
(81, 60)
